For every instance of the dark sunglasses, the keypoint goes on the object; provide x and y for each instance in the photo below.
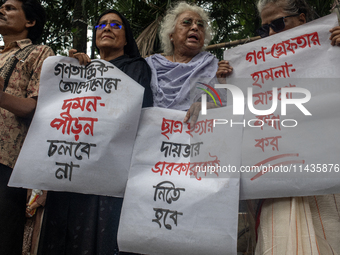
(277, 25)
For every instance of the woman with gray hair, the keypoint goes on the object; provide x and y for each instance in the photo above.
(184, 33)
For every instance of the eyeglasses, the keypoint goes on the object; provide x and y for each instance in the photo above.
(112, 25)
(189, 22)
(277, 25)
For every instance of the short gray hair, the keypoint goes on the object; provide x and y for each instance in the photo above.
(169, 23)
(289, 6)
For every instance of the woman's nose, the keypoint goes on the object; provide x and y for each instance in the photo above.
(194, 26)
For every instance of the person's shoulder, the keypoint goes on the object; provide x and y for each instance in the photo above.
(45, 49)
(156, 60)
(34, 50)
(155, 56)
(206, 54)
(140, 61)
(130, 60)
(43, 46)
(205, 57)
(38, 54)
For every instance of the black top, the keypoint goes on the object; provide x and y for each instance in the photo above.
(138, 69)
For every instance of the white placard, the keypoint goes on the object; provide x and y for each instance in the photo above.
(172, 205)
(301, 151)
(83, 130)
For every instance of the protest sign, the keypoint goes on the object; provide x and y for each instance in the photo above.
(83, 130)
(290, 84)
(178, 200)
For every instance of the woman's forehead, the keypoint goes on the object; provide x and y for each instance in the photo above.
(189, 14)
(271, 12)
(111, 17)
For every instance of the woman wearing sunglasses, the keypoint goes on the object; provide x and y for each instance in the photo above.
(278, 16)
(75, 223)
(296, 225)
(281, 15)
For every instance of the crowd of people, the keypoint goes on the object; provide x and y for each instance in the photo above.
(73, 223)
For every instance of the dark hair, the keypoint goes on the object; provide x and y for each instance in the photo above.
(34, 12)
(290, 7)
(130, 49)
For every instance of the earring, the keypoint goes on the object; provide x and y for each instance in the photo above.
(171, 39)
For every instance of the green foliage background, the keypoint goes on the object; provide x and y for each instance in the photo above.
(231, 20)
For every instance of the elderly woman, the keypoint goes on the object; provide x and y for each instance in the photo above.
(184, 33)
(298, 225)
(278, 16)
(74, 223)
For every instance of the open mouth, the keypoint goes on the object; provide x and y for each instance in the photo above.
(193, 37)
